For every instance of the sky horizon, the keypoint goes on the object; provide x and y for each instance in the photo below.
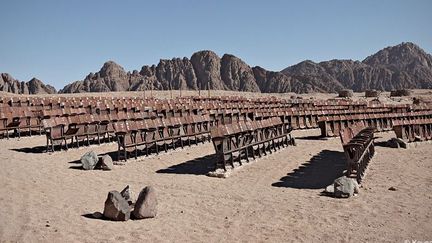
(62, 41)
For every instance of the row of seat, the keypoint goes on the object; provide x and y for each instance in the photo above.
(330, 126)
(100, 128)
(248, 139)
(17, 122)
(358, 145)
(149, 134)
(413, 130)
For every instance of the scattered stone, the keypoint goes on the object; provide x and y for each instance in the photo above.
(105, 163)
(127, 195)
(116, 207)
(345, 187)
(146, 204)
(89, 160)
(392, 189)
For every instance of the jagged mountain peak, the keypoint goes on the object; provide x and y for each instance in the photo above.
(399, 55)
(111, 69)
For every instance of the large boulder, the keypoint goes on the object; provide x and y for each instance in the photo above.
(146, 204)
(116, 207)
(105, 163)
(89, 160)
(345, 187)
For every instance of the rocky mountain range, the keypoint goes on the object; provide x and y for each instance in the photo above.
(402, 66)
(34, 86)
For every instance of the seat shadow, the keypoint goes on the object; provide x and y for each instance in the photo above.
(315, 137)
(76, 167)
(33, 150)
(320, 171)
(198, 166)
(384, 144)
(92, 216)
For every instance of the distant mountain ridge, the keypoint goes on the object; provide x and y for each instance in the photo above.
(396, 67)
(34, 86)
(403, 66)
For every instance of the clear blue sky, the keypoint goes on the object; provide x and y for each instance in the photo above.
(61, 41)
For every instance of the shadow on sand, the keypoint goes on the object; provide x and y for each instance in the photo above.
(314, 137)
(319, 172)
(197, 166)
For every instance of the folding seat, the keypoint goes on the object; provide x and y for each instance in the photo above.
(3, 126)
(409, 130)
(302, 120)
(69, 128)
(13, 123)
(53, 132)
(125, 139)
(295, 121)
(122, 116)
(33, 121)
(188, 130)
(335, 125)
(174, 131)
(308, 119)
(428, 128)
(418, 129)
(78, 124)
(162, 133)
(326, 126)
(222, 142)
(20, 112)
(92, 128)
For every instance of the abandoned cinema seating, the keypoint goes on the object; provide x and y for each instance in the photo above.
(357, 142)
(381, 122)
(413, 130)
(237, 141)
(143, 135)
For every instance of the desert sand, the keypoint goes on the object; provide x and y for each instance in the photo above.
(46, 197)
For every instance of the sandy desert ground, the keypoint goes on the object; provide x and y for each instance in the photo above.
(47, 198)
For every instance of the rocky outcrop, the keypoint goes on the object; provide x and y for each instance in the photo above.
(275, 82)
(405, 66)
(207, 65)
(237, 75)
(398, 67)
(34, 86)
